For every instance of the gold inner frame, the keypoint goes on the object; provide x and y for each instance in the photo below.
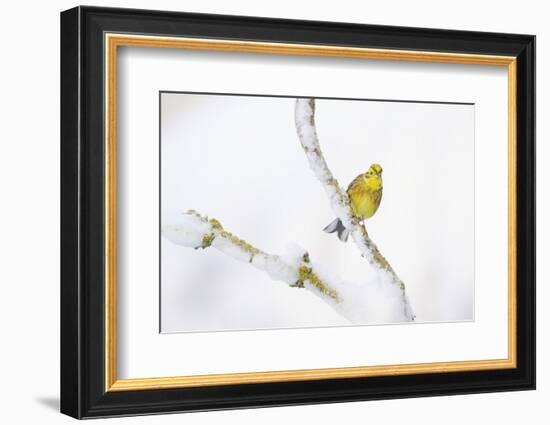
(113, 41)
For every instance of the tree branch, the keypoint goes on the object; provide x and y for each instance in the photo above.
(295, 268)
(360, 303)
(339, 201)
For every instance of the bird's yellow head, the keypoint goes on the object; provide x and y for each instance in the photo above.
(374, 170)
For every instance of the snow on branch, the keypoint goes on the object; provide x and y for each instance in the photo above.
(339, 201)
(197, 231)
(360, 303)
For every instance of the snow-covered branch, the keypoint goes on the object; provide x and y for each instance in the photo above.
(360, 303)
(339, 201)
(295, 269)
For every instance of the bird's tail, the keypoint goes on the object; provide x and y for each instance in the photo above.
(337, 226)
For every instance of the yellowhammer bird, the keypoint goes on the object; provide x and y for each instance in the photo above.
(365, 194)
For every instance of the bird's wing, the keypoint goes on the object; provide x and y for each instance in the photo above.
(377, 198)
(355, 182)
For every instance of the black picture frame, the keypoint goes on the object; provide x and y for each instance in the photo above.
(83, 392)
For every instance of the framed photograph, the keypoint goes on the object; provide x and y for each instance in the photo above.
(261, 212)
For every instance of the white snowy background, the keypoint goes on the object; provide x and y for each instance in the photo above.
(238, 159)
